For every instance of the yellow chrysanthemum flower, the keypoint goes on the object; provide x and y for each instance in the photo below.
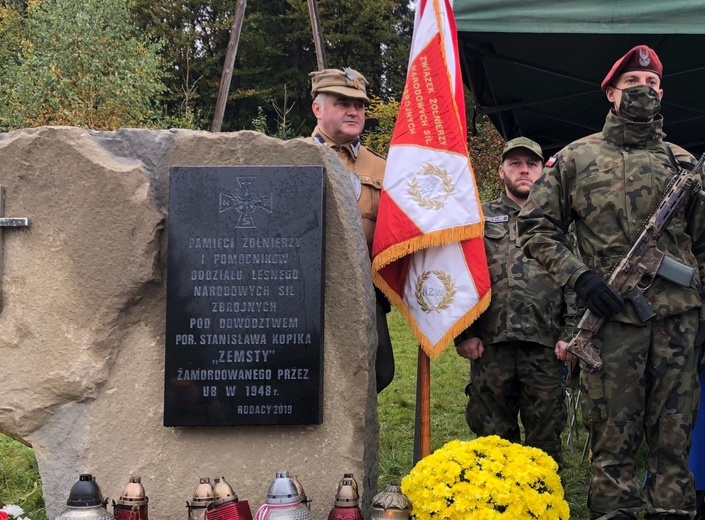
(487, 478)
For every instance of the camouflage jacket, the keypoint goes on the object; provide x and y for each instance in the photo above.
(527, 303)
(608, 184)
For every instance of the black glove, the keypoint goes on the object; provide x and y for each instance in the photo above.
(600, 297)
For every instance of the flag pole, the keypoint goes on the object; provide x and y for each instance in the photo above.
(431, 264)
(422, 425)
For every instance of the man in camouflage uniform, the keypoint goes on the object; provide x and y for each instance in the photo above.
(339, 98)
(517, 346)
(608, 184)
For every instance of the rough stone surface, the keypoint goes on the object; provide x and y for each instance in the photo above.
(82, 327)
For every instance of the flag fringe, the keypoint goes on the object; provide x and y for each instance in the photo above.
(432, 239)
(404, 238)
(458, 327)
(391, 295)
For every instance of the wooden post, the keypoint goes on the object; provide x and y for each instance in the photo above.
(317, 34)
(227, 75)
(422, 426)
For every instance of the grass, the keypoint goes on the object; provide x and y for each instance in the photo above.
(449, 375)
(19, 479)
(20, 483)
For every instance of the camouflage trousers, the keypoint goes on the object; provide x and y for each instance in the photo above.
(646, 389)
(518, 379)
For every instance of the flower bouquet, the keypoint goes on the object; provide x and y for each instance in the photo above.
(11, 511)
(484, 479)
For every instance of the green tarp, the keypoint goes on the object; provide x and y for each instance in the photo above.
(569, 16)
(535, 67)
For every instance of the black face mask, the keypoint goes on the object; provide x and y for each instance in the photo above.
(639, 104)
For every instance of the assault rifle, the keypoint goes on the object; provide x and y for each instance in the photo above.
(641, 263)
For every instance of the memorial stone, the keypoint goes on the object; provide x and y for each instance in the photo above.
(244, 296)
(82, 348)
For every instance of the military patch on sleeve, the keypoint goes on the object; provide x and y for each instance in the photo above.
(551, 161)
(499, 218)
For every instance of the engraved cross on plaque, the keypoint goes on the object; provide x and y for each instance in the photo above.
(7, 223)
(245, 201)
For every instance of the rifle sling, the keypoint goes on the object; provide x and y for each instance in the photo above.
(678, 165)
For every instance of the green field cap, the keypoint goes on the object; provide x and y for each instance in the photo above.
(522, 142)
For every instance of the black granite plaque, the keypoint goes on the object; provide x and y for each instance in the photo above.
(244, 296)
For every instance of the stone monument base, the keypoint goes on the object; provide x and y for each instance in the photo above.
(82, 347)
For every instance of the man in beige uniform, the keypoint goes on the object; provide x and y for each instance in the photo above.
(339, 98)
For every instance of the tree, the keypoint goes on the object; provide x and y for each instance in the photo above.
(19, 6)
(275, 53)
(195, 35)
(81, 63)
(485, 146)
(277, 49)
(381, 117)
(10, 36)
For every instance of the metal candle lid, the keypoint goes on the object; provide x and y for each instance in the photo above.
(302, 493)
(283, 490)
(391, 503)
(204, 493)
(85, 501)
(347, 495)
(223, 492)
(133, 494)
(351, 477)
(85, 493)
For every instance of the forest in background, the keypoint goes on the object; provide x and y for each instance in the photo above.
(107, 64)
(144, 62)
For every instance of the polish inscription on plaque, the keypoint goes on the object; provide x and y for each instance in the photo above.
(244, 296)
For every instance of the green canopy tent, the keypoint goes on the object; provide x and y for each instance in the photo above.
(535, 66)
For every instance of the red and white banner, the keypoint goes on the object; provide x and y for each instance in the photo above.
(428, 252)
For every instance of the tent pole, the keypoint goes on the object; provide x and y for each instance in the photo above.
(317, 34)
(235, 30)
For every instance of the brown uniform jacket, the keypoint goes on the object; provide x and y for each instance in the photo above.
(368, 166)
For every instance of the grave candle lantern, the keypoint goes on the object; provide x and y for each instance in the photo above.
(132, 504)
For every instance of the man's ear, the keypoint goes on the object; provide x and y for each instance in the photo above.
(316, 109)
(501, 172)
(610, 94)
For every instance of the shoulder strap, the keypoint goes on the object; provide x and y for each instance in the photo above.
(671, 157)
(678, 165)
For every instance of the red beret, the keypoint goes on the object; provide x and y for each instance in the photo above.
(640, 57)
